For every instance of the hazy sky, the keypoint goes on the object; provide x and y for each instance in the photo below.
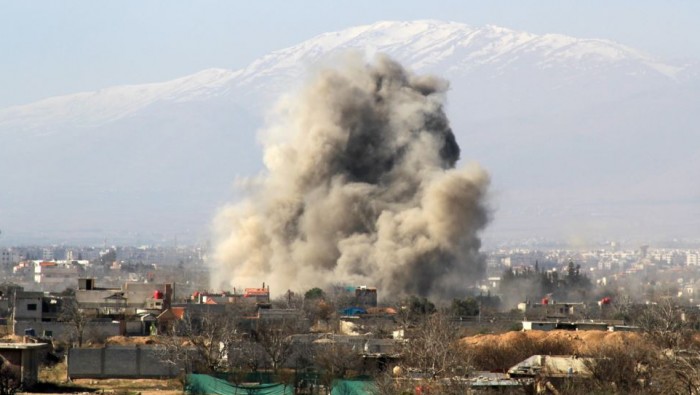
(58, 47)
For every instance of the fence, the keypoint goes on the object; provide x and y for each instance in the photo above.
(118, 362)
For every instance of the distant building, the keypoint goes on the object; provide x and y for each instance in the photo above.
(366, 297)
(8, 258)
(47, 254)
(260, 295)
(54, 273)
(550, 309)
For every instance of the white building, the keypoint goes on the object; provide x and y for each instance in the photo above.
(52, 272)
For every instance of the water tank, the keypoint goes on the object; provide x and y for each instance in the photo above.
(157, 294)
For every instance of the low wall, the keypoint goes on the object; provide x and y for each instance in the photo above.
(94, 330)
(118, 362)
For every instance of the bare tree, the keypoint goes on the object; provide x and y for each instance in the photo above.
(676, 366)
(622, 368)
(10, 382)
(665, 325)
(276, 341)
(75, 317)
(202, 342)
(289, 300)
(246, 354)
(335, 361)
(678, 371)
(433, 348)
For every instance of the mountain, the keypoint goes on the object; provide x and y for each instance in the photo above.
(583, 137)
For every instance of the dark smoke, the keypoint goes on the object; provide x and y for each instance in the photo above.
(362, 190)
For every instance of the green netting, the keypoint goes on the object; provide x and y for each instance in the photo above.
(249, 377)
(352, 387)
(202, 384)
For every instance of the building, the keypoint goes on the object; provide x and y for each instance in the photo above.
(52, 273)
(551, 309)
(539, 325)
(23, 360)
(552, 366)
(259, 295)
(8, 258)
(602, 325)
(131, 299)
(366, 297)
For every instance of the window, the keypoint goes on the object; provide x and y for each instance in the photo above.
(31, 306)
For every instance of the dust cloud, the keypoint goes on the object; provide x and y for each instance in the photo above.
(360, 188)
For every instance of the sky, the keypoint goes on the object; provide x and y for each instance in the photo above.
(52, 48)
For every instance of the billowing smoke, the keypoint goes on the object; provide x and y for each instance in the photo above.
(363, 190)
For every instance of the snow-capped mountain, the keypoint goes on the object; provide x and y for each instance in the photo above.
(88, 109)
(555, 118)
(451, 50)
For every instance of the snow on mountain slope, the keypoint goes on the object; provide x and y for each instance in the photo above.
(450, 49)
(94, 108)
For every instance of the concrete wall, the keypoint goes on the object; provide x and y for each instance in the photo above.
(64, 330)
(137, 328)
(24, 302)
(23, 360)
(118, 362)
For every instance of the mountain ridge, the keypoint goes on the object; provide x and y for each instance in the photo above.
(561, 123)
(373, 38)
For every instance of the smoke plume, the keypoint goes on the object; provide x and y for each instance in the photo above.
(363, 190)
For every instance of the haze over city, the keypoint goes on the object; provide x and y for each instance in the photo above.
(136, 123)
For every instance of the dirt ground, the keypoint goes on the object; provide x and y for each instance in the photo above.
(54, 381)
(583, 341)
(131, 387)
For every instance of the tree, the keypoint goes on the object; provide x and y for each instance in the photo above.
(202, 342)
(465, 308)
(336, 361)
(671, 330)
(413, 309)
(245, 354)
(10, 382)
(75, 317)
(664, 324)
(434, 350)
(276, 341)
(314, 293)
(290, 300)
(621, 368)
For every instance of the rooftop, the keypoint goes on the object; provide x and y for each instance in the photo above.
(22, 346)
